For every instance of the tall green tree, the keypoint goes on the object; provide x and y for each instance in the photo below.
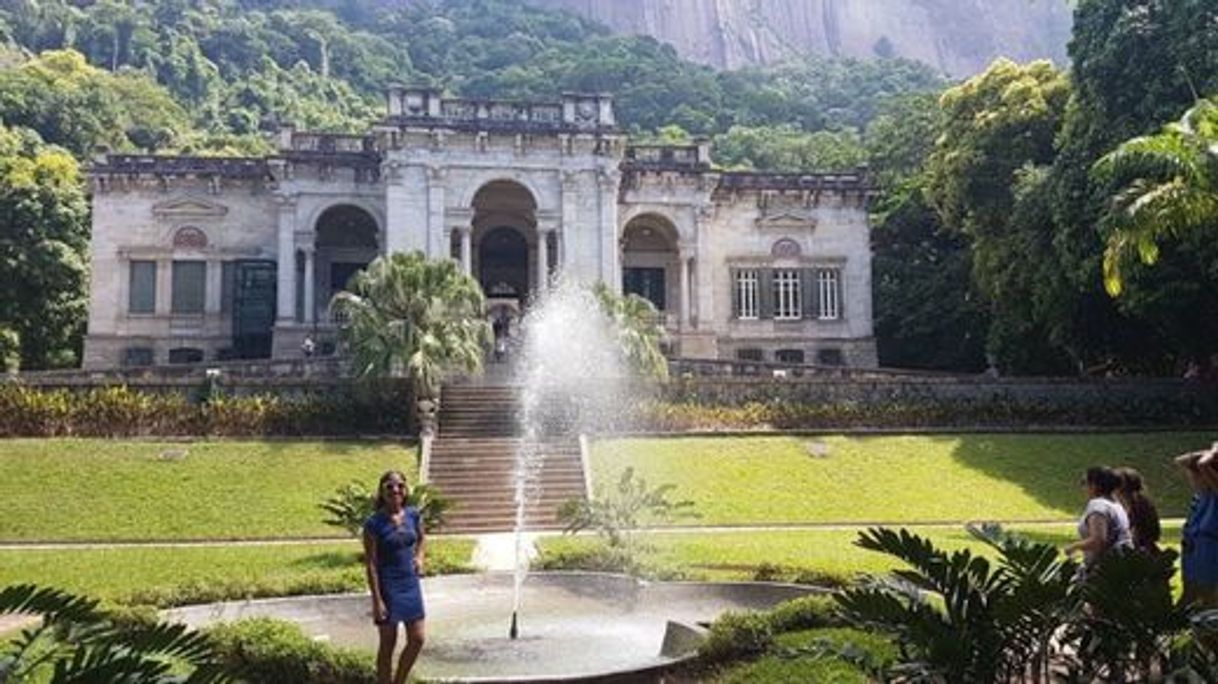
(44, 233)
(410, 316)
(986, 179)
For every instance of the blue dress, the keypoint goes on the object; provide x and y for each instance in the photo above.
(1199, 552)
(395, 546)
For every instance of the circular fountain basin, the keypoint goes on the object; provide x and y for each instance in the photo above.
(573, 625)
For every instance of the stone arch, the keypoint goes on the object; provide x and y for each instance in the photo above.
(480, 182)
(505, 239)
(650, 247)
(346, 238)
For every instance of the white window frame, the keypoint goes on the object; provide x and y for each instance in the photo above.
(828, 289)
(788, 304)
(747, 289)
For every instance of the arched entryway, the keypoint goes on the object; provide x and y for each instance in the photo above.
(346, 241)
(509, 252)
(650, 261)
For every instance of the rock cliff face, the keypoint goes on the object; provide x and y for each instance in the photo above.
(960, 37)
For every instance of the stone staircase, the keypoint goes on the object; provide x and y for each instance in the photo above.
(473, 461)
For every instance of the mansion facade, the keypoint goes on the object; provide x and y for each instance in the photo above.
(213, 258)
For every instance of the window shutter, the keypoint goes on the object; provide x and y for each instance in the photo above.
(765, 293)
(808, 293)
(735, 290)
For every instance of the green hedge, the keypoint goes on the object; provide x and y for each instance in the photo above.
(124, 412)
(267, 650)
(784, 414)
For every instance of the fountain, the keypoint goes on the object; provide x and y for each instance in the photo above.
(562, 625)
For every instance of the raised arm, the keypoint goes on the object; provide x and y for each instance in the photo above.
(419, 551)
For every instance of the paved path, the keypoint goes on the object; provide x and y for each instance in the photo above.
(675, 529)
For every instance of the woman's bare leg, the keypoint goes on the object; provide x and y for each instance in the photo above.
(384, 653)
(414, 644)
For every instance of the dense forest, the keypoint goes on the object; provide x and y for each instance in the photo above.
(990, 227)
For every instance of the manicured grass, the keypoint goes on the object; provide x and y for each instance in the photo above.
(805, 656)
(67, 489)
(924, 478)
(818, 555)
(167, 576)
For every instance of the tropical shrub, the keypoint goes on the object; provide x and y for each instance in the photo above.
(353, 503)
(267, 650)
(79, 642)
(615, 515)
(1025, 617)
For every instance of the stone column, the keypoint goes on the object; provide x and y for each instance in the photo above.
(467, 249)
(685, 290)
(611, 257)
(704, 307)
(285, 295)
(164, 286)
(570, 221)
(406, 208)
(214, 277)
(543, 259)
(437, 246)
(310, 287)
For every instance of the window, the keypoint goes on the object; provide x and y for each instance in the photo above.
(830, 357)
(828, 289)
(137, 356)
(786, 295)
(647, 283)
(746, 295)
(189, 287)
(749, 354)
(185, 355)
(792, 356)
(141, 297)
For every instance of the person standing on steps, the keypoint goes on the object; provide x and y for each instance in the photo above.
(393, 560)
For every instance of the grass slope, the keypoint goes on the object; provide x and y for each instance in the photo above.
(923, 478)
(174, 576)
(65, 489)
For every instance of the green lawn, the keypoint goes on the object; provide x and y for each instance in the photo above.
(67, 489)
(922, 478)
(827, 554)
(172, 576)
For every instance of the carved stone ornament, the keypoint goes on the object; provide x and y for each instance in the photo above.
(189, 237)
(786, 221)
(786, 248)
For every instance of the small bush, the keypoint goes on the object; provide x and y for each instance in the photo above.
(267, 650)
(768, 572)
(735, 636)
(806, 612)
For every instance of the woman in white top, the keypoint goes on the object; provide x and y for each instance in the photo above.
(1104, 524)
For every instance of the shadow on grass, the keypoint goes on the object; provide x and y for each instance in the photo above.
(1049, 467)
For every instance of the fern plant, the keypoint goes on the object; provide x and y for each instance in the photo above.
(617, 514)
(353, 503)
(77, 642)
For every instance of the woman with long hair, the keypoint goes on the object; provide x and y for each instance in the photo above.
(393, 560)
(1104, 524)
(1144, 525)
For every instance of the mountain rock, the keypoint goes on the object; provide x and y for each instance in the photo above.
(959, 37)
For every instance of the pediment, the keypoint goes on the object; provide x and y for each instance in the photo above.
(189, 207)
(786, 220)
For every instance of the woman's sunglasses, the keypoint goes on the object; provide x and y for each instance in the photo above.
(395, 486)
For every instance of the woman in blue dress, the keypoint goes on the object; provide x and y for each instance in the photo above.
(393, 558)
(1199, 542)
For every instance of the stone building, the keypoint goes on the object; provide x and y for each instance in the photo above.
(199, 259)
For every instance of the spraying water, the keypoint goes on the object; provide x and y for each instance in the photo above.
(571, 375)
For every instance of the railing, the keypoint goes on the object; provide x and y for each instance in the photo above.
(227, 167)
(666, 156)
(744, 368)
(795, 181)
(332, 143)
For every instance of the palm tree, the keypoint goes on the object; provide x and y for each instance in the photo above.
(1169, 186)
(637, 324)
(408, 316)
